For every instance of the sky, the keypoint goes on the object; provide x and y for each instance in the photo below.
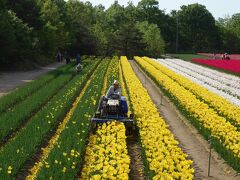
(218, 8)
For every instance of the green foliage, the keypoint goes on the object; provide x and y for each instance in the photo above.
(27, 90)
(54, 36)
(230, 32)
(197, 29)
(153, 39)
(26, 10)
(15, 39)
(79, 22)
(18, 114)
(19, 151)
(234, 24)
(38, 29)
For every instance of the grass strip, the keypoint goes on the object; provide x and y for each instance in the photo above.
(20, 150)
(6, 102)
(11, 120)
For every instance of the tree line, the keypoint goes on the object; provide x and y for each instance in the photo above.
(33, 31)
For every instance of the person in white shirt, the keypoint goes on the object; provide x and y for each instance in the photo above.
(114, 89)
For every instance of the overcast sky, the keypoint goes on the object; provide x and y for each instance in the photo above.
(219, 8)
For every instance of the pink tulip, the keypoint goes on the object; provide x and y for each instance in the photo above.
(229, 65)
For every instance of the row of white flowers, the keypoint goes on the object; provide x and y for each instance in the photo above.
(232, 88)
(206, 79)
(229, 80)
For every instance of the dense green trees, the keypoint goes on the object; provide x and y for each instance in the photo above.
(32, 31)
(230, 32)
(155, 45)
(15, 39)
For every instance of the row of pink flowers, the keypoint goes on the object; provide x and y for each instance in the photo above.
(232, 56)
(229, 65)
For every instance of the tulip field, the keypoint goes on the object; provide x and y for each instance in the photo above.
(210, 113)
(227, 65)
(45, 128)
(225, 85)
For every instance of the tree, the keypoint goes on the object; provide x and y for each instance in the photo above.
(197, 29)
(152, 38)
(27, 10)
(129, 41)
(2, 5)
(53, 35)
(233, 24)
(80, 19)
(148, 10)
(230, 33)
(15, 40)
(39, 28)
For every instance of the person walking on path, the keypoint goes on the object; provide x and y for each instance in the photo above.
(78, 59)
(68, 60)
(59, 56)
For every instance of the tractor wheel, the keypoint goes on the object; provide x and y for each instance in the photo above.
(97, 114)
(131, 116)
(94, 127)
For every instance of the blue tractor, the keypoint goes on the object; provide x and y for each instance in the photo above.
(114, 109)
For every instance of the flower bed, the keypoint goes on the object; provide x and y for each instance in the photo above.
(229, 65)
(225, 136)
(63, 156)
(106, 154)
(21, 149)
(163, 157)
(219, 104)
(227, 86)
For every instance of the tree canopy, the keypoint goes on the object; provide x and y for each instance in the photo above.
(33, 31)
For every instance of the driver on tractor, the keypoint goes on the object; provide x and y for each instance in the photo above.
(113, 90)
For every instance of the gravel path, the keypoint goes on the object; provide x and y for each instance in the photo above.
(190, 141)
(11, 80)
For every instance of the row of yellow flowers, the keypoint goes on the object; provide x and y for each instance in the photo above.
(226, 136)
(220, 104)
(163, 154)
(106, 154)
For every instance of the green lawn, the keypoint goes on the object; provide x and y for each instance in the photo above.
(188, 57)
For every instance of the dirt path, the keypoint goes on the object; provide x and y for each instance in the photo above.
(190, 141)
(134, 151)
(10, 80)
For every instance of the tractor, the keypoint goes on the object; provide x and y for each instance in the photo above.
(114, 108)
